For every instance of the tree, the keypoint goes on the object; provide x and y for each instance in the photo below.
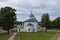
(45, 21)
(8, 18)
(56, 23)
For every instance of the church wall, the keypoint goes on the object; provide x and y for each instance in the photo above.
(34, 23)
(19, 29)
(25, 29)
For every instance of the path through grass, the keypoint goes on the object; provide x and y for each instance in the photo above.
(5, 36)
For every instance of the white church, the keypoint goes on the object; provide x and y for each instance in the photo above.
(29, 25)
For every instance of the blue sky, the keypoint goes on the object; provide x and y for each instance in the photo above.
(38, 8)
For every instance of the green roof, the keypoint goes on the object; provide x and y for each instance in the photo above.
(30, 24)
(31, 20)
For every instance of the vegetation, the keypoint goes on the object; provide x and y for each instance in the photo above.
(45, 21)
(17, 36)
(35, 35)
(56, 23)
(5, 36)
(7, 18)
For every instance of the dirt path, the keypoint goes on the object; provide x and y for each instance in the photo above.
(59, 37)
(13, 36)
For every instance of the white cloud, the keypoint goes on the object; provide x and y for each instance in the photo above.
(20, 4)
(25, 6)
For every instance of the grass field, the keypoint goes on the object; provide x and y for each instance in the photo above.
(5, 36)
(17, 36)
(35, 35)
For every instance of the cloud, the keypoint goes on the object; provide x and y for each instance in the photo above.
(21, 5)
(2, 0)
(37, 6)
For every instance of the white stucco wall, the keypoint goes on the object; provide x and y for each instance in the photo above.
(19, 29)
(35, 26)
(25, 29)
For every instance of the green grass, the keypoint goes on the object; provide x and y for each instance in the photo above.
(17, 36)
(35, 35)
(5, 36)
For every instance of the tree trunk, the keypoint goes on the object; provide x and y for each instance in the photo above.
(45, 30)
(8, 31)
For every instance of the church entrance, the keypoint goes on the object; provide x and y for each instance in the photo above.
(30, 28)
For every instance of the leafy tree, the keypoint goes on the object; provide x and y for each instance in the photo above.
(56, 23)
(45, 21)
(8, 18)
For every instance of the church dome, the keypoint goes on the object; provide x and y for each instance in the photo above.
(31, 19)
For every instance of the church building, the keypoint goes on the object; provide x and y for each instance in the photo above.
(29, 25)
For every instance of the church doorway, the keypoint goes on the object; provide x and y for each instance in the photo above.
(29, 29)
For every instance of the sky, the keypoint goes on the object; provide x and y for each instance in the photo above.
(38, 8)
